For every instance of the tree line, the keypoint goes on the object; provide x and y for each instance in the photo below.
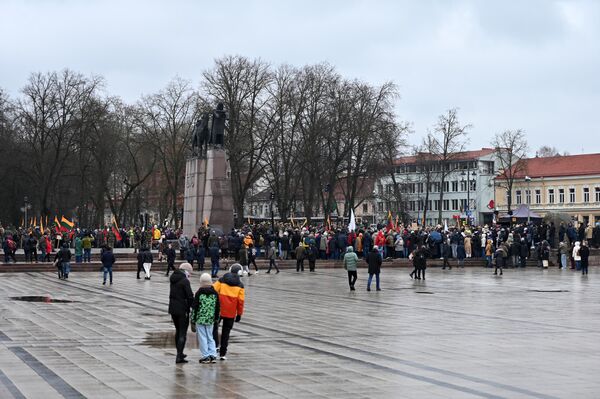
(72, 148)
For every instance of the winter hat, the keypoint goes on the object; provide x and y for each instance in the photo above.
(205, 280)
(236, 268)
(186, 267)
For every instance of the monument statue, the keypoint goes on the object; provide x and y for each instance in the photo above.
(207, 195)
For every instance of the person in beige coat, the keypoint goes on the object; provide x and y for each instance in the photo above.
(468, 246)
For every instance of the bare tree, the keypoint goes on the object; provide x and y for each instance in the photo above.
(48, 116)
(241, 84)
(446, 142)
(547, 151)
(167, 119)
(511, 149)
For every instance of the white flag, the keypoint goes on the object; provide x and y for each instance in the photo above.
(445, 225)
(352, 224)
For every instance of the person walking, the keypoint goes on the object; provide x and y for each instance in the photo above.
(214, 253)
(272, 254)
(171, 255)
(500, 256)
(231, 298)
(374, 262)
(204, 315)
(108, 260)
(252, 258)
(576, 255)
(145, 260)
(584, 254)
(63, 260)
(351, 266)
(564, 251)
(312, 255)
(300, 252)
(461, 254)
(181, 298)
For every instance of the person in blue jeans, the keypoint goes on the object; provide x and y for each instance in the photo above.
(214, 253)
(108, 260)
(63, 259)
(205, 313)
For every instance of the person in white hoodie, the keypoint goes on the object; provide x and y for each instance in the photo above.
(576, 255)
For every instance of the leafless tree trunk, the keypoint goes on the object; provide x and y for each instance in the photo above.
(510, 148)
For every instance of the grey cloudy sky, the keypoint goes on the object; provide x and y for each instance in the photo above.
(530, 64)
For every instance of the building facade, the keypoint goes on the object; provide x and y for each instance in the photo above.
(415, 189)
(562, 184)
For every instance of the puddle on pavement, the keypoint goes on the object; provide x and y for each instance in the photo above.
(40, 298)
(424, 292)
(549, 290)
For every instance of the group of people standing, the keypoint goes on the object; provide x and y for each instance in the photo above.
(213, 303)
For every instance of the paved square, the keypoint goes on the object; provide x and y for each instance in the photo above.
(459, 334)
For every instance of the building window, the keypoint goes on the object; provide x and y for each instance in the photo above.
(365, 208)
(551, 196)
(380, 206)
(380, 188)
(463, 205)
(429, 204)
(454, 204)
(586, 194)
(446, 205)
(561, 195)
(597, 192)
(446, 186)
(473, 185)
(538, 196)
(518, 197)
(572, 195)
(463, 185)
(420, 187)
(528, 196)
(436, 205)
(455, 186)
(420, 205)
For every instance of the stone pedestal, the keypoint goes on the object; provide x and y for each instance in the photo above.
(207, 193)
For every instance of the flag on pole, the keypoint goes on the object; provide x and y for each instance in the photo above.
(328, 223)
(249, 220)
(56, 224)
(390, 225)
(445, 225)
(35, 221)
(115, 229)
(46, 220)
(352, 224)
(397, 219)
(42, 224)
(66, 223)
(305, 222)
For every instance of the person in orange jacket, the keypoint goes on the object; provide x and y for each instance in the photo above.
(231, 299)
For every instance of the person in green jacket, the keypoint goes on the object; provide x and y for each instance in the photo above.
(350, 264)
(78, 249)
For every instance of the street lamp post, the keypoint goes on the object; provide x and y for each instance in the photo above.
(468, 175)
(24, 209)
(528, 197)
(272, 215)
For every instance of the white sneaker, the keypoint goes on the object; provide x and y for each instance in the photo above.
(222, 358)
(256, 272)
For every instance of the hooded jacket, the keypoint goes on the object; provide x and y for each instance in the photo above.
(180, 295)
(231, 295)
(205, 308)
(350, 260)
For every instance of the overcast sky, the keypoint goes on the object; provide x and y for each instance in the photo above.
(525, 64)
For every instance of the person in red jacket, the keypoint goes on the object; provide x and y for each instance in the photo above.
(231, 299)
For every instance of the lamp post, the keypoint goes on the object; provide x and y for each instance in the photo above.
(24, 209)
(528, 196)
(468, 175)
(272, 215)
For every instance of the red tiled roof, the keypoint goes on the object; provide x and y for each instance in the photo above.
(461, 156)
(562, 165)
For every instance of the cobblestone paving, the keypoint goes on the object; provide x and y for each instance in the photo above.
(459, 334)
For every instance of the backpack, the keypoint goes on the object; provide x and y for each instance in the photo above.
(12, 245)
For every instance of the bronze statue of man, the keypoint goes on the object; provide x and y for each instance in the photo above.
(200, 136)
(218, 125)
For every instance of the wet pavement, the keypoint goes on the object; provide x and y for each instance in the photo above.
(459, 334)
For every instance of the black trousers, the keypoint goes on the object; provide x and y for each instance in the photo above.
(299, 265)
(446, 263)
(140, 269)
(272, 264)
(252, 262)
(227, 326)
(170, 266)
(352, 276)
(311, 265)
(181, 326)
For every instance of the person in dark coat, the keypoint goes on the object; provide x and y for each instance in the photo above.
(214, 253)
(145, 260)
(63, 261)
(108, 260)
(312, 255)
(374, 262)
(446, 253)
(181, 298)
(171, 255)
(515, 251)
(461, 254)
(584, 253)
